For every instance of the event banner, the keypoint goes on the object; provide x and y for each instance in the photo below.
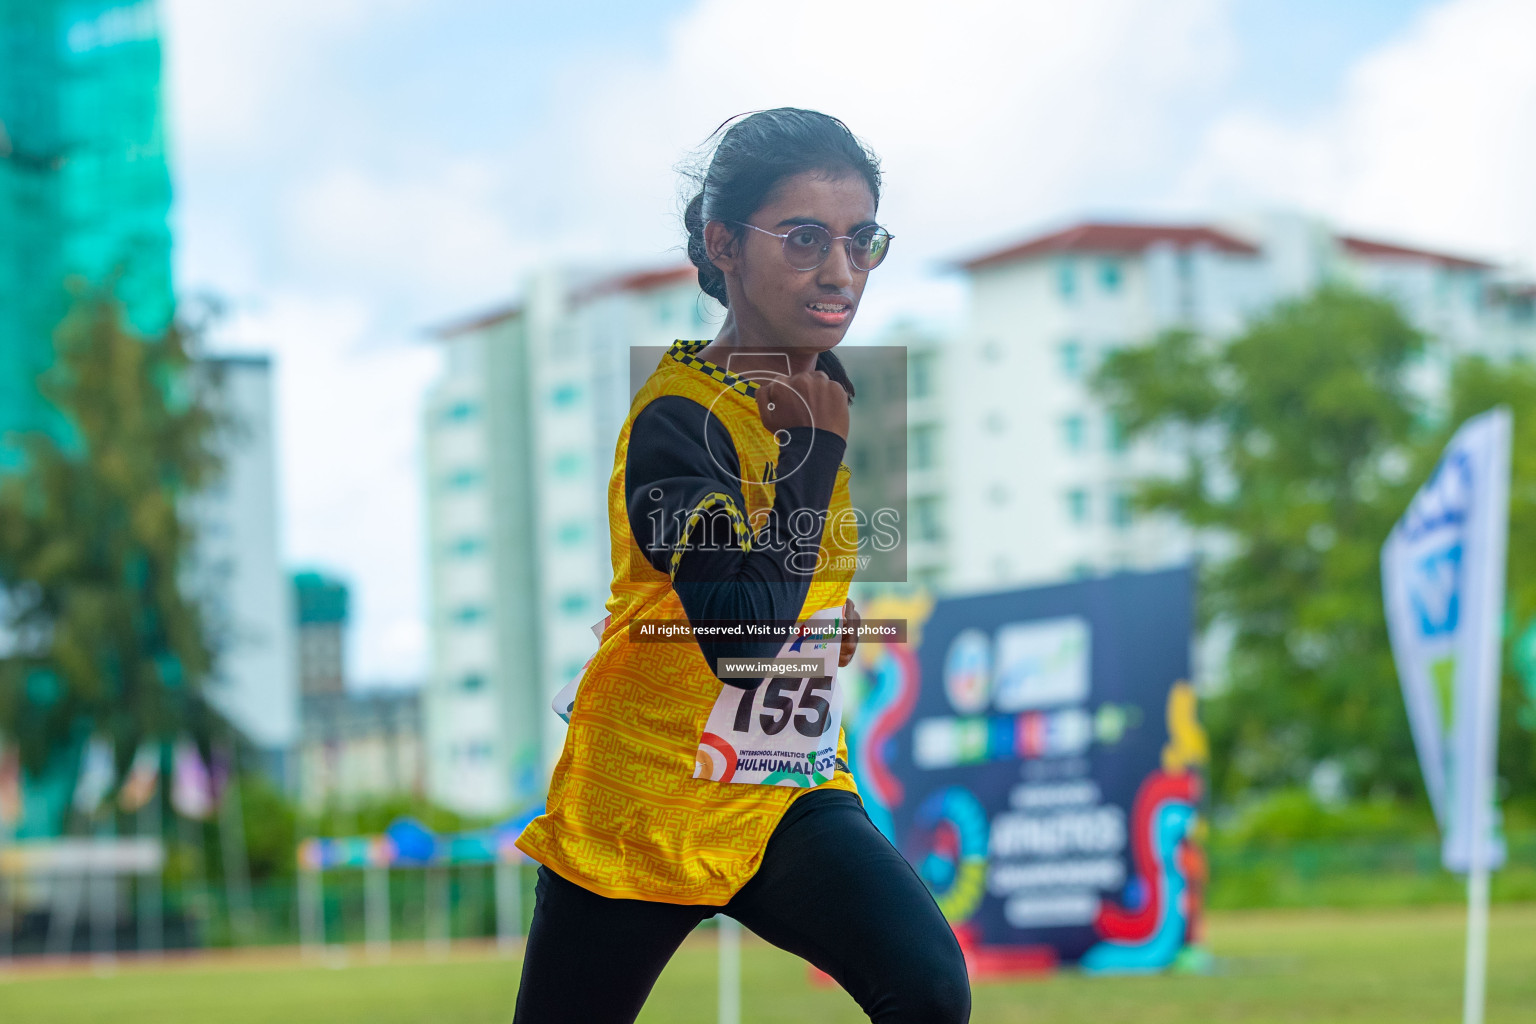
(1039, 761)
(1442, 573)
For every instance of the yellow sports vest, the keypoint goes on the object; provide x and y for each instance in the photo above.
(625, 816)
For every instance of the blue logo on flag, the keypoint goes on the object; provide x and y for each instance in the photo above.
(1436, 591)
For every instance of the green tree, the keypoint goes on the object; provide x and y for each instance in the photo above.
(1303, 441)
(94, 548)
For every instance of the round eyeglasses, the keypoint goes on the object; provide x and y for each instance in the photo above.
(807, 247)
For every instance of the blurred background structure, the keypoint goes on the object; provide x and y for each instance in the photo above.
(440, 243)
(354, 747)
(85, 179)
(238, 565)
(519, 446)
(1044, 313)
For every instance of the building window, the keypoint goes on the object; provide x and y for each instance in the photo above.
(459, 412)
(466, 547)
(1474, 291)
(474, 752)
(925, 445)
(568, 464)
(922, 375)
(1121, 511)
(1109, 275)
(926, 520)
(565, 395)
(472, 682)
(1077, 505)
(469, 614)
(1184, 261)
(571, 533)
(1071, 355)
(573, 604)
(1066, 279)
(463, 479)
(1114, 432)
(1074, 431)
(1443, 285)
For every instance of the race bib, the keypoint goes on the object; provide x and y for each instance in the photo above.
(783, 733)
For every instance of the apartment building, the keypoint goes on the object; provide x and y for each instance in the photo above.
(1037, 474)
(236, 566)
(520, 436)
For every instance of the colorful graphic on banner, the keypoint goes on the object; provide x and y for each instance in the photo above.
(1442, 574)
(882, 685)
(1148, 932)
(954, 830)
(1037, 758)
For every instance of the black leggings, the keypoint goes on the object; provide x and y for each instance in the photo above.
(831, 890)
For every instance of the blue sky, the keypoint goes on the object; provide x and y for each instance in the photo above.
(350, 171)
(1293, 54)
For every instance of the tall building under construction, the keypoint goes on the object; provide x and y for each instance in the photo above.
(85, 189)
(85, 197)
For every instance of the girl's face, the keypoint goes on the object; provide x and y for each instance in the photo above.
(789, 307)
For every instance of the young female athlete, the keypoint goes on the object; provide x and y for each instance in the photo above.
(681, 793)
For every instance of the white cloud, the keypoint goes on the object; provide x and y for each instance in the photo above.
(987, 113)
(236, 66)
(989, 116)
(436, 233)
(1433, 138)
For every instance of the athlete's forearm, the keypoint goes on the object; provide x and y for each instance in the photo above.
(683, 490)
(769, 583)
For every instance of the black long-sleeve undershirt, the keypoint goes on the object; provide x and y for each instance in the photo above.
(681, 461)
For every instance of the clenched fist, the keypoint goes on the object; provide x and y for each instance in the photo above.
(810, 399)
(850, 640)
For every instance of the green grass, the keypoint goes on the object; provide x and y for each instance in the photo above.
(1289, 881)
(1271, 966)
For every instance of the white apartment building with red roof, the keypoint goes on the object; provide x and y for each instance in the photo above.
(1039, 477)
(519, 443)
(1036, 478)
